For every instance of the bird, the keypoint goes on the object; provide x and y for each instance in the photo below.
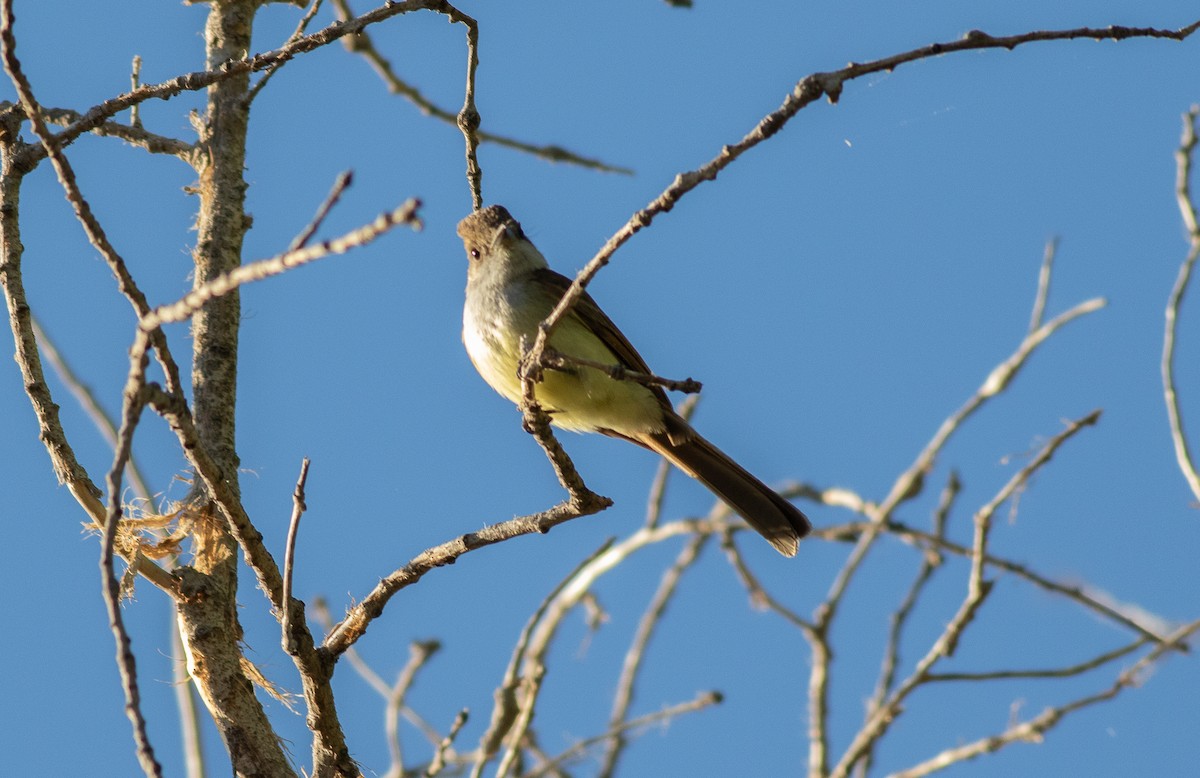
(511, 290)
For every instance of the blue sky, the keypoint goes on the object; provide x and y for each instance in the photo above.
(839, 290)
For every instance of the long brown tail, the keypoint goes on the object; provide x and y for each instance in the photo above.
(770, 515)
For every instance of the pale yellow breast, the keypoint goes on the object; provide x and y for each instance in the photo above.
(582, 399)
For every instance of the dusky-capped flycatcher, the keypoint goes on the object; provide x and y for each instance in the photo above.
(511, 289)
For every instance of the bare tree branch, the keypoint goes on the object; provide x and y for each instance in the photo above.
(1187, 208)
(361, 44)
(623, 697)
(978, 589)
(700, 702)
(807, 91)
(313, 7)
(289, 560)
(221, 285)
(931, 561)
(231, 68)
(133, 404)
(439, 757)
(1033, 730)
(506, 708)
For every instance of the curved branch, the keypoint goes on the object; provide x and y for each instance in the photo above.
(1187, 208)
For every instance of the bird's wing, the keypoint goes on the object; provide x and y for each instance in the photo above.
(598, 322)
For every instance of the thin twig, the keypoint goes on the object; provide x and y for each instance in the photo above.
(135, 80)
(807, 91)
(439, 756)
(907, 486)
(83, 211)
(134, 401)
(1055, 672)
(1035, 729)
(556, 360)
(362, 44)
(1187, 209)
(531, 686)
(759, 596)
(1076, 593)
(1043, 289)
(343, 181)
(289, 558)
(192, 82)
(320, 611)
(295, 36)
(623, 696)
(978, 588)
(191, 302)
(931, 561)
(700, 702)
(134, 136)
(419, 652)
(910, 482)
(91, 406)
(506, 707)
(468, 119)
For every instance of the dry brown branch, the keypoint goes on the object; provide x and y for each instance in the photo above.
(132, 134)
(289, 558)
(318, 694)
(134, 401)
(66, 466)
(1054, 672)
(931, 561)
(507, 705)
(362, 44)
(579, 585)
(439, 757)
(468, 119)
(80, 484)
(807, 91)
(1187, 209)
(189, 722)
(540, 631)
(222, 70)
(1076, 593)
(556, 360)
(700, 702)
(907, 486)
(221, 285)
(359, 617)
(623, 696)
(1034, 730)
(419, 652)
(91, 406)
(880, 719)
(301, 27)
(910, 482)
(83, 211)
(385, 690)
(340, 184)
